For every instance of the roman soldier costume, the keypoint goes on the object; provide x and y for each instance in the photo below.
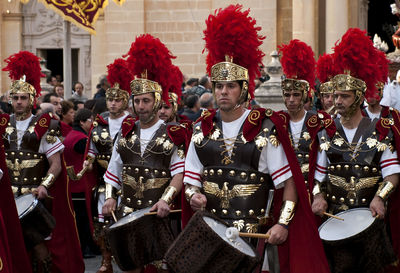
(326, 69)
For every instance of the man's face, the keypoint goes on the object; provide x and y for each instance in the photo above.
(343, 101)
(165, 112)
(293, 100)
(78, 89)
(326, 100)
(56, 101)
(144, 106)
(20, 103)
(227, 95)
(115, 106)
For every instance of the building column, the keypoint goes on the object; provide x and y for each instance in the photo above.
(304, 21)
(336, 22)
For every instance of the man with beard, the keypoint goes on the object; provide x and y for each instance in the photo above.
(33, 159)
(251, 152)
(145, 150)
(102, 138)
(357, 166)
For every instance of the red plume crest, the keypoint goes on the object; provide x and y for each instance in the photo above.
(25, 63)
(149, 54)
(298, 61)
(176, 80)
(326, 69)
(233, 32)
(118, 72)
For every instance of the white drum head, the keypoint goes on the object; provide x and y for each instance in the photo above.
(355, 221)
(130, 217)
(24, 203)
(220, 229)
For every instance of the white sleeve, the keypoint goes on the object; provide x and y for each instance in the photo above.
(385, 101)
(193, 167)
(113, 174)
(50, 148)
(177, 164)
(389, 163)
(321, 169)
(273, 161)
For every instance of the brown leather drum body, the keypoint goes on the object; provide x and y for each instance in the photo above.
(199, 248)
(36, 221)
(358, 244)
(136, 240)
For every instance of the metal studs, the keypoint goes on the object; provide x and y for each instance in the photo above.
(34, 179)
(150, 202)
(124, 168)
(262, 211)
(238, 213)
(232, 173)
(307, 155)
(15, 178)
(251, 212)
(253, 176)
(333, 198)
(139, 202)
(205, 172)
(108, 157)
(213, 211)
(357, 167)
(341, 199)
(12, 153)
(28, 154)
(366, 169)
(224, 212)
(352, 201)
(219, 172)
(156, 172)
(323, 138)
(146, 171)
(25, 179)
(327, 195)
(261, 179)
(265, 130)
(128, 200)
(364, 200)
(374, 170)
(136, 170)
(332, 168)
(338, 167)
(211, 172)
(346, 167)
(243, 175)
(163, 173)
(299, 155)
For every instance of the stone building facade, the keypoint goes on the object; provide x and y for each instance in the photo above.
(178, 23)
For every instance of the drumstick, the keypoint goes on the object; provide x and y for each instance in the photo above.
(254, 235)
(333, 216)
(113, 215)
(155, 212)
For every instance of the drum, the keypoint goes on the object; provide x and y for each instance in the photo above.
(358, 244)
(137, 239)
(203, 247)
(36, 221)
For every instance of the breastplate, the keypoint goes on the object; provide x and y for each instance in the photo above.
(353, 172)
(146, 176)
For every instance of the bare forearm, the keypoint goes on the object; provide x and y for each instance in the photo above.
(290, 192)
(55, 165)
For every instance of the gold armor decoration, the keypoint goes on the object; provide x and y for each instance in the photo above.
(371, 142)
(228, 71)
(168, 194)
(238, 224)
(326, 88)
(224, 194)
(385, 189)
(274, 140)
(215, 134)
(9, 130)
(261, 142)
(133, 138)
(110, 192)
(190, 190)
(251, 228)
(338, 141)
(122, 142)
(181, 154)
(95, 138)
(160, 140)
(116, 92)
(243, 139)
(198, 138)
(48, 180)
(51, 139)
(287, 212)
(295, 85)
(31, 129)
(139, 186)
(304, 168)
(306, 136)
(352, 188)
(104, 135)
(345, 82)
(324, 146)
(21, 86)
(167, 145)
(381, 146)
(143, 86)
(17, 167)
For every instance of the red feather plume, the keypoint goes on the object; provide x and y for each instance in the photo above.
(176, 80)
(298, 61)
(326, 68)
(356, 53)
(382, 72)
(118, 72)
(151, 55)
(25, 63)
(233, 32)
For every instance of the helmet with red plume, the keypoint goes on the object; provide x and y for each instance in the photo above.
(119, 76)
(175, 91)
(326, 70)
(149, 61)
(356, 58)
(24, 69)
(382, 71)
(232, 42)
(298, 64)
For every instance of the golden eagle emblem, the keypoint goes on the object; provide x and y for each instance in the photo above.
(139, 186)
(16, 167)
(225, 194)
(352, 187)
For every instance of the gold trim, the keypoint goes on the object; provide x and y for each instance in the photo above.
(228, 71)
(326, 88)
(345, 82)
(384, 190)
(48, 180)
(190, 190)
(287, 212)
(169, 194)
(110, 192)
(143, 86)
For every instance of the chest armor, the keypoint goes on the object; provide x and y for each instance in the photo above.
(103, 142)
(302, 150)
(26, 166)
(146, 176)
(236, 191)
(353, 171)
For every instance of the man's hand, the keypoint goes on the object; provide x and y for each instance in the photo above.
(40, 192)
(109, 205)
(162, 208)
(377, 207)
(198, 201)
(319, 205)
(87, 164)
(277, 235)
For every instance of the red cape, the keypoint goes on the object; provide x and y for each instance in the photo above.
(64, 245)
(13, 254)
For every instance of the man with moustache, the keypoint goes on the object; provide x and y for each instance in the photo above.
(145, 150)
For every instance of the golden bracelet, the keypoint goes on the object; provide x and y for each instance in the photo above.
(287, 212)
(48, 181)
(317, 188)
(190, 190)
(110, 192)
(384, 190)
(168, 194)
